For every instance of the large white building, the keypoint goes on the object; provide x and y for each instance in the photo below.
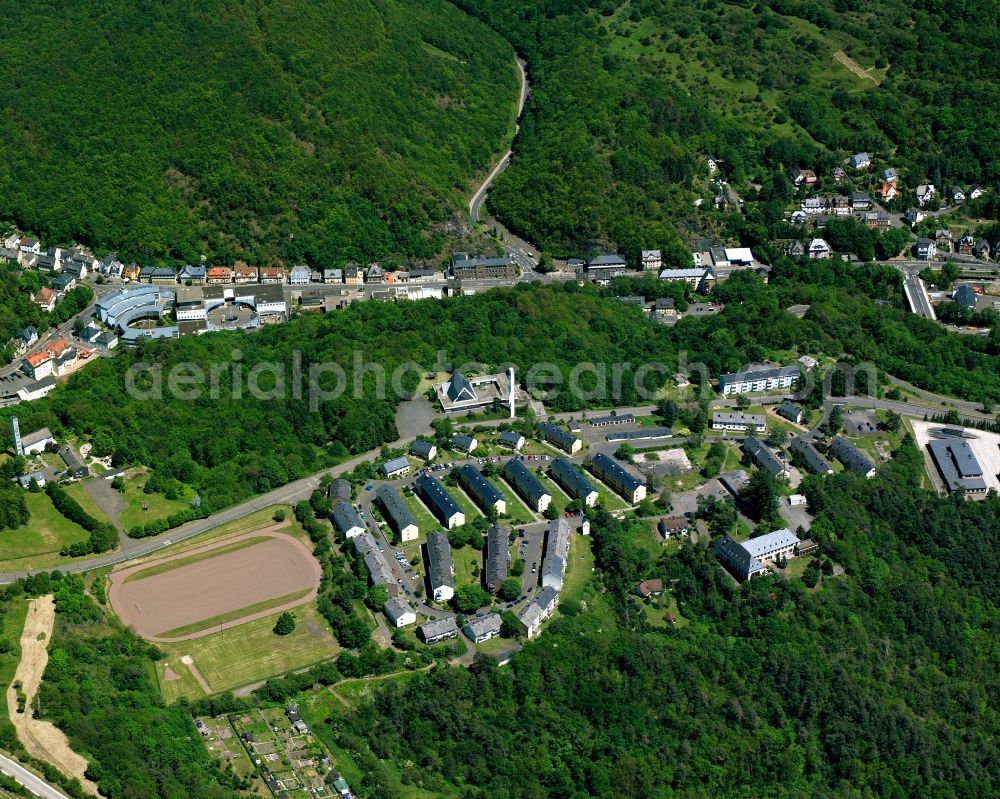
(761, 379)
(747, 559)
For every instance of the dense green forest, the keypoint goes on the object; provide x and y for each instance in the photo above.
(882, 682)
(287, 130)
(237, 445)
(629, 96)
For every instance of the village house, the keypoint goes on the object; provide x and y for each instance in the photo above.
(511, 440)
(925, 249)
(423, 449)
(483, 629)
(803, 177)
(299, 275)
(399, 612)
(218, 275)
(193, 275)
(672, 526)
(648, 588)
(651, 259)
(397, 467)
(818, 248)
(243, 273)
(273, 274)
(860, 161)
(924, 193)
(463, 443)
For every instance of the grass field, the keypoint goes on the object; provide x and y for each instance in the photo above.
(463, 559)
(247, 654)
(425, 521)
(465, 503)
(517, 511)
(79, 493)
(212, 553)
(559, 498)
(158, 506)
(37, 544)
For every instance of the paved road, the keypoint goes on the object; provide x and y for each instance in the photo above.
(27, 779)
(287, 494)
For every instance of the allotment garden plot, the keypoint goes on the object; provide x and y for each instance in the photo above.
(221, 585)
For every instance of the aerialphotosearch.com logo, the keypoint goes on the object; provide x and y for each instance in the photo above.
(319, 382)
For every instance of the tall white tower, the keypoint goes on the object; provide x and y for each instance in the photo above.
(513, 389)
(15, 433)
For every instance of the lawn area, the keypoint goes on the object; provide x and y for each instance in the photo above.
(425, 521)
(516, 509)
(468, 507)
(607, 498)
(645, 537)
(246, 654)
(79, 493)
(559, 498)
(157, 505)
(463, 559)
(37, 544)
(579, 567)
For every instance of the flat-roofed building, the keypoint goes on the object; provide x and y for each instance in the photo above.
(560, 438)
(852, 457)
(958, 466)
(481, 490)
(396, 514)
(763, 379)
(527, 485)
(439, 501)
(618, 477)
(497, 560)
(572, 481)
(440, 569)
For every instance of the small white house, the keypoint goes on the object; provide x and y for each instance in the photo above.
(399, 613)
(797, 499)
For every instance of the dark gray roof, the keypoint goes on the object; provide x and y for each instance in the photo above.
(815, 462)
(527, 485)
(422, 448)
(607, 260)
(958, 465)
(571, 480)
(640, 435)
(497, 556)
(482, 491)
(851, 456)
(607, 468)
(346, 517)
(763, 456)
(459, 388)
(437, 498)
(510, 438)
(557, 435)
(462, 442)
(789, 410)
(396, 513)
(339, 489)
(440, 571)
(964, 295)
(438, 628)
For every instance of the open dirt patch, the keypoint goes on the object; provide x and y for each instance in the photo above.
(209, 586)
(41, 739)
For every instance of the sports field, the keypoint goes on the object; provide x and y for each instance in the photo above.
(220, 585)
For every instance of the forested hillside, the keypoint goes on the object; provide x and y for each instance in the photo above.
(880, 683)
(629, 96)
(287, 130)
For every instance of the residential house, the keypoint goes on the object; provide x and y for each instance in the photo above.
(193, 275)
(482, 491)
(527, 485)
(572, 481)
(814, 205)
(735, 481)
(218, 275)
(888, 190)
(396, 513)
(437, 630)
(860, 161)
(481, 630)
(423, 449)
(615, 475)
(497, 561)
(62, 282)
(37, 441)
(924, 193)
(925, 249)
(746, 559)
(299, 275)
(397, 467)
(651, 259)
(26, 338)
(762, 379)
(803, 177)
(798, 217)
(352, 275)
(377, 566)
(841, 205)
(672, 526)
(838, 174)
(860, 201)
(914, 216)
(273, 274)
(440, 570)
(648, 588)
(982, 250)
(560, 438)
(29, 246)
(38, 365)
(665, 307)
(333, 275)
(130, 272)
(347, 520)
(875, 220)
(852, 457)
(25, 480)
(439, 501)
(36, 390)
(889, 174)
(536, 612)
(463, 443)
(957, 195)
(944, 240)
(75, 468)
(243, 273)
(974, 192)
(818, 248)
(605, 267)
(966, 245)
(107, 340)
(795, 249)
(764, 458)
(374, 274)
(399, 612)
(738, 421)
(43, 262)
(807, 455)
(511, 440)
(790, 411)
